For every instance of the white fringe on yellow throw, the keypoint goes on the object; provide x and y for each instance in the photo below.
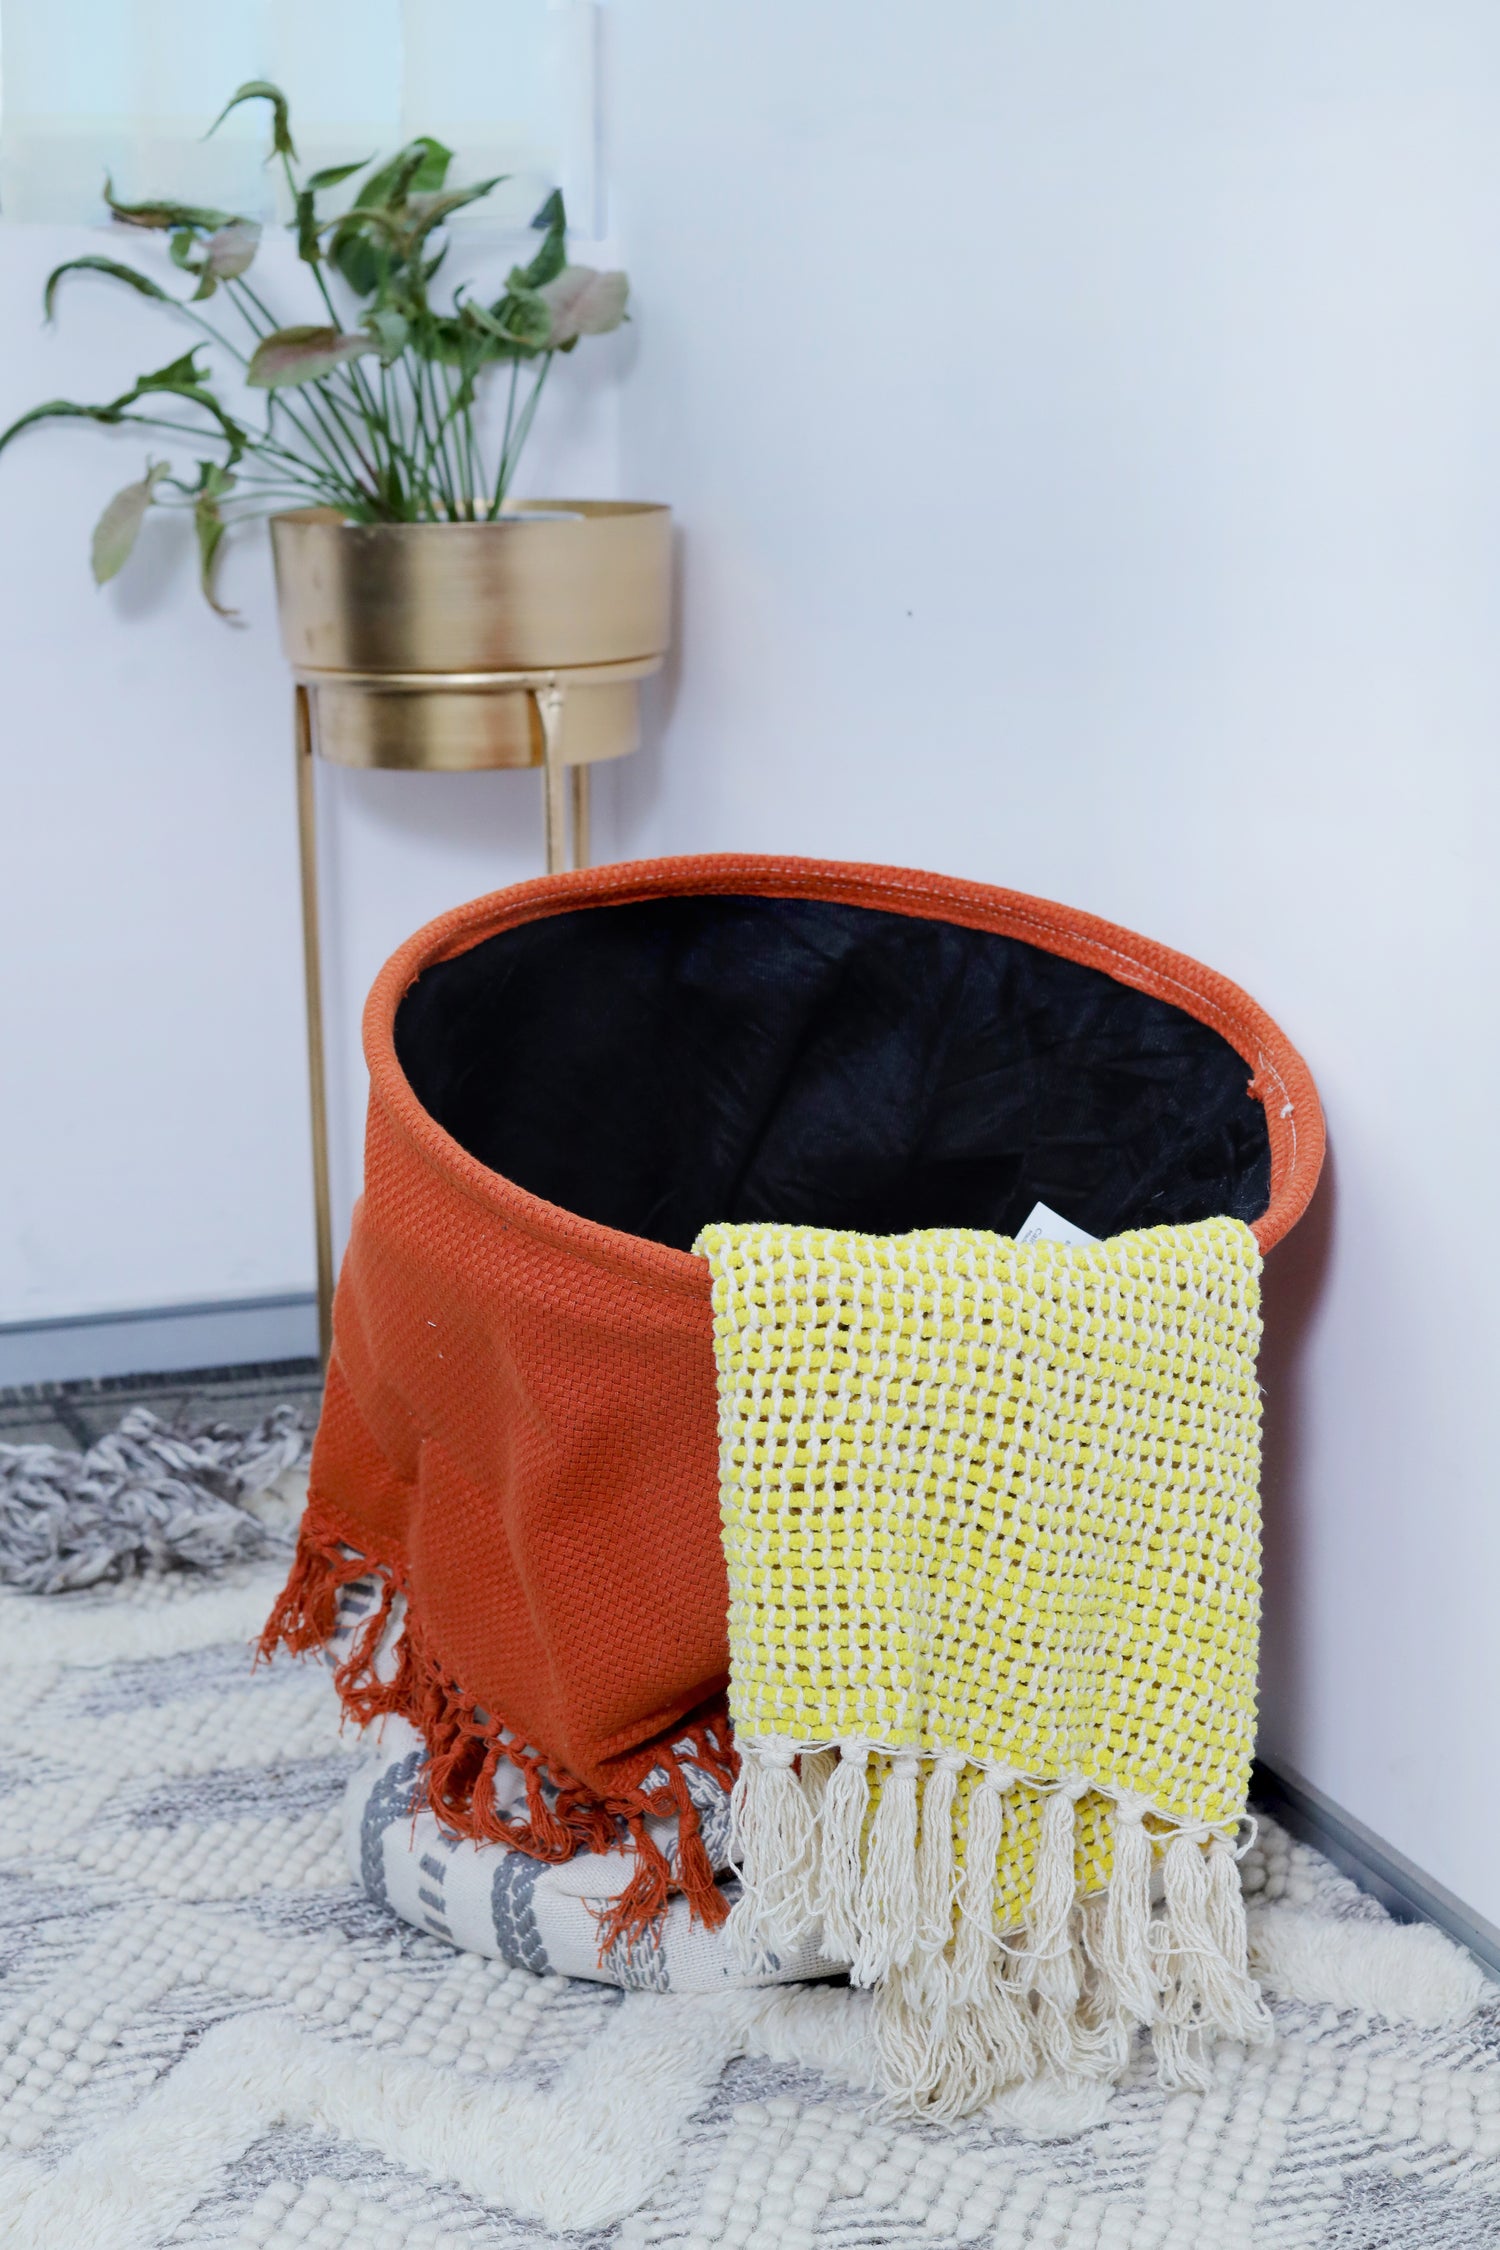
(906, 1895)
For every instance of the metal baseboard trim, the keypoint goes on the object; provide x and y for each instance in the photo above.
(1402, 1888)
(160, 1340)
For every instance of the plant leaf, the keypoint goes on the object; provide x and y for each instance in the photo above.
(220, 256)
(361, 262)
(333, 175)
(422, 165)
(365, 246)
(209, 527)
(584, 302)
(158, 217)
(143, 285)
(172, 377)
(261, 90)
(390, 332)
(469, 339)
(551, 221)
(61, 410)
(214, 479)
(428, 211)
(183, 379)
(309, 249)
(117, 530)
(441, 338)
(520, 324)
(547, 264)
(231, 250)
(179, 380)
(301, 355)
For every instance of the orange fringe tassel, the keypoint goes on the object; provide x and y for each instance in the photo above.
(465, 1746)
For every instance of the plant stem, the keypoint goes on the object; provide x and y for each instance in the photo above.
(210, 331)
(298, 482)
(439, 457)
(442, 405)
(311, 393)
(356, 380)
(396, 455)
(411, 368)
(332, 479)
(456, 429)
(238, 287)
(523, 427)
(328, 438)
(498, 502)
(476, 476)
(350, 434)
(343, 438)
(398, 462)
(332, 450)
(319, 409)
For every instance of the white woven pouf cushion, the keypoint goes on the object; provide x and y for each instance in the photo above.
(490, 1899)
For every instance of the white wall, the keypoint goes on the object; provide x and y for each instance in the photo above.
(153, 1131)
(1085, 427)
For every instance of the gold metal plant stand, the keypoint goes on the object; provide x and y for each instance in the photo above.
(416, 647)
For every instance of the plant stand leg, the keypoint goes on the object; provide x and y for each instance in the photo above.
(549, 704)
(313, 970)
(579, 776)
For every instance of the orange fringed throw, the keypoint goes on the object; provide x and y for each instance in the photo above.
(519, 1430)
(520, 1435)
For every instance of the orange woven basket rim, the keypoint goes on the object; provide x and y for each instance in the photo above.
(1280, 1079)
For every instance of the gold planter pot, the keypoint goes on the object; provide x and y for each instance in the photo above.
(454, 648)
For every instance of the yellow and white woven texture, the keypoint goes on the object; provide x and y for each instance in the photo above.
(1000, 1500)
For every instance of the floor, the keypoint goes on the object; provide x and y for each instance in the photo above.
(79, 1413)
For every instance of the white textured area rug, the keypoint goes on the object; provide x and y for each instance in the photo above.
(210, 2036)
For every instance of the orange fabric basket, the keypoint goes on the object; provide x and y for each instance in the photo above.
(519, 1431)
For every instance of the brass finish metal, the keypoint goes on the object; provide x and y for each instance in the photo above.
(506, 596)
(457, 648)
(579, 776)
(549, 704)
(471, 722)
(423, 643)
(307, 837)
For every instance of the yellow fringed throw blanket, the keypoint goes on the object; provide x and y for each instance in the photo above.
(991, 1521)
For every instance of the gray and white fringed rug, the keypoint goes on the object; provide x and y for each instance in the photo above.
(208, 2035)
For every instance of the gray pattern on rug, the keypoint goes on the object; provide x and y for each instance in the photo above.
(208, 2035)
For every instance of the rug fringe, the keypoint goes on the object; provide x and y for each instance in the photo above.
(963, 2007)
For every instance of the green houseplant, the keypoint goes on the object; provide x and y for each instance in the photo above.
(433, 621)
(370, 407)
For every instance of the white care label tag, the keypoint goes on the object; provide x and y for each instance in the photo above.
(1045, 1226)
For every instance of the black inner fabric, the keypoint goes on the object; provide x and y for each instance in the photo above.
(659, 1065)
